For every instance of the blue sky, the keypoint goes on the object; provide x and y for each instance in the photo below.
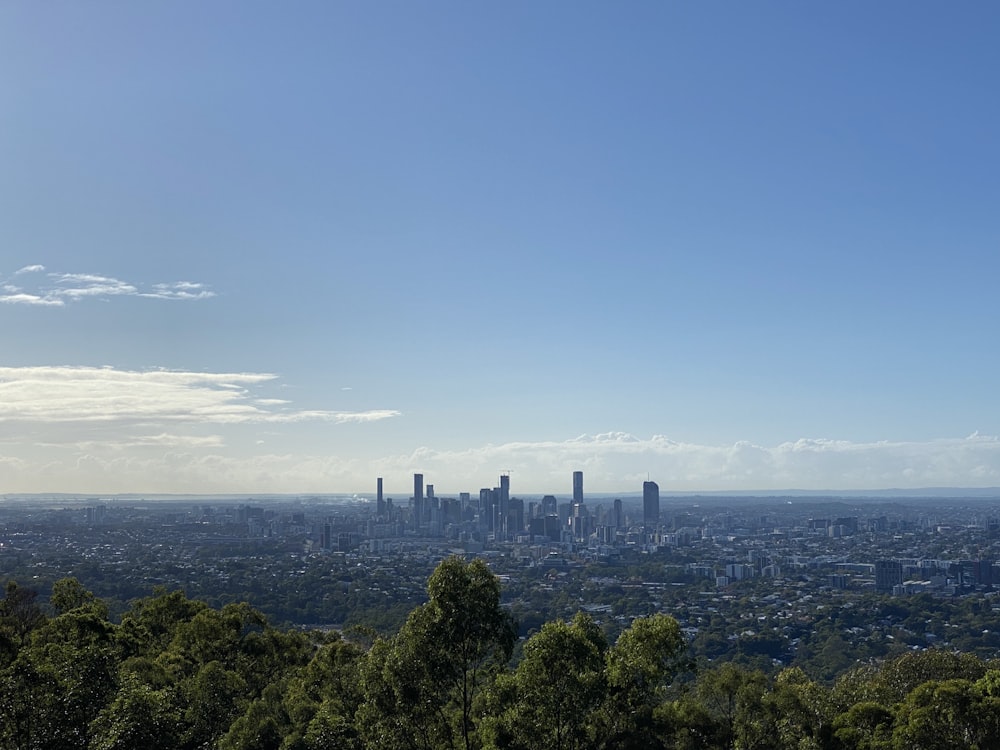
(258, 248)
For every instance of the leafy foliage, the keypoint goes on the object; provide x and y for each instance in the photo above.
(178, 673)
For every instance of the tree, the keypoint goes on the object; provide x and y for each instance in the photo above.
(425, 680)
(734, 697)
(686, 724)
(468, 622)
(30, 698)
(890, 682)
(138, 716)
(802, 710)
(646, 657)
(61, 679)
(211, 699)
(322, 699)
(19, 615)
(944, 715)
(400, 709)
(148, 627)
(864, 726)
(546, 703)
(330, 730)
(639, 667)
(261, 727)
(69, 594)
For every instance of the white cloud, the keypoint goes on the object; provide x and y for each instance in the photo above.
(618, 462)
(612, 463)
(185, 471)
(76, 285)
(164, 439)
(55, 289)
(31, 299)
(339, 417)
(102, 429)
(67, 395)
(168, 461)
(179, 290)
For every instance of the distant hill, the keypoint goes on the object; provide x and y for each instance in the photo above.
(921, 492)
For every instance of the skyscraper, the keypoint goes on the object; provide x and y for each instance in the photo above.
(650, 504)
(550, 506)
(417, 501)
(888, 573)
(577, 486)
(379, 501)
(503, 505)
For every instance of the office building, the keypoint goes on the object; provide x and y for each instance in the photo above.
(888, 573)
(417, 501)
(577, 487)
(550, 505)
(650, 504)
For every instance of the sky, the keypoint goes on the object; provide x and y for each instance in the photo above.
(255, 247)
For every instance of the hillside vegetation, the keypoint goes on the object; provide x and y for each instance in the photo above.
(175, 673)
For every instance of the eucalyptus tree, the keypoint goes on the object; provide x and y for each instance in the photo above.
(548, 701)
(639, 669)
(62, 677)
(421, 685)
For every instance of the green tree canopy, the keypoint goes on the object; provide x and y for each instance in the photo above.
(420, 686)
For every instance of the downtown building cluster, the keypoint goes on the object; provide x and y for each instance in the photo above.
(495, 515)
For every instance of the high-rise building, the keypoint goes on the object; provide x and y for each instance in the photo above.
(489, 509)
(417, 501)
(580, 521)
(379, 502)
(502, 523)
(550, 505)
(515, 517)
(888, 573)
(650, 504)
(618, 515)
(577, 486)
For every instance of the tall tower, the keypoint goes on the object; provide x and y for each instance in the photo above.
(577, 487)
(650, 504)
(417, 501)
(379, 501)
(550, 506)
(503, 504)
(484, 511)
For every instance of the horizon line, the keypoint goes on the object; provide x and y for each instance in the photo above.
(922, 492)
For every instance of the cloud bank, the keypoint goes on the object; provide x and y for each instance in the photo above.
(51, 395)
(613, 463)
(58, 289)
(620, 462)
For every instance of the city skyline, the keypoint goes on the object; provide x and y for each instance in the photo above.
(731, 248)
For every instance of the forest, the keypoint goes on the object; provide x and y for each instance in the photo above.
(175, 672)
